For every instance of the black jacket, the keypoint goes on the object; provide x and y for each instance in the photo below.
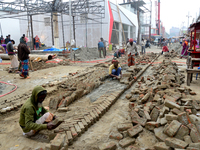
(23, 52)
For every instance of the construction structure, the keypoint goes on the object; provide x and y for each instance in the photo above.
(56, 22)
(145, 10)
(51, 20)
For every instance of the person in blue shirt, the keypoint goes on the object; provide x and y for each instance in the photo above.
(101, 48)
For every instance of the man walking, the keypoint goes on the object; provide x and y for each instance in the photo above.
(132, 50)
(101, 49)
(13, 58)
(104, 43)
(143, 46)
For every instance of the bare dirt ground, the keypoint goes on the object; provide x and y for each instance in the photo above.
(11, 133)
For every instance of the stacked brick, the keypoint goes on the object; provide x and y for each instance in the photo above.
(75, 88)
(161, 105)
(69, 131)
(130, 74)
(13, 103)
(145, 59)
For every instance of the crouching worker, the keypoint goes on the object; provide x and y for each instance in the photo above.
(115, 70)
(34, 117)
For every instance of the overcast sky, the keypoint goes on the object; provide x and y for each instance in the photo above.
(174, 12)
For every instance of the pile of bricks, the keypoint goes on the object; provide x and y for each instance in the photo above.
(145, 59)
(75, 88)
(13, 103)
(171, 54)
(160, 104)
(70, 130)
(129, 75)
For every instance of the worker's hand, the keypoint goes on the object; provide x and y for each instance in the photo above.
(50, 126)
(118, 78)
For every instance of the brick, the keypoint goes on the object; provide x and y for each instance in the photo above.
(136, 119)
(147, 116)
(58, 141)
(183, 118)
(195, 136)
(195, 105)
(112, 98)
(145, 98)
(77, 128)
(176, 111)
(159, 134)
(69, 137)
(154, 114)
(98, 112)
(74, 133)
(81, 126)
(115, 135)
(91, 119)
(85, 124)
(172, 128)
(152, 125)
(187, 139)
(192, 148)
(170, 98)
(135, 130)
(108, 146)
(171, 105)
(175, 143)
(163, 121)
(133, 148)
(65, 146)
(195, 145)
(128, 96)
(194, 119)
(105, 106)
(161, 146)
(124, 126)
(183, 131)
(101, 109)
(93, 116)
(96, 115)
(170, 117)
(87, 120)
(126, 142)
(48, 147)
(65, 109)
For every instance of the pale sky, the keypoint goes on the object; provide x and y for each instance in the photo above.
(174, 12)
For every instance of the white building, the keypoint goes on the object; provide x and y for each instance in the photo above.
(89, 33)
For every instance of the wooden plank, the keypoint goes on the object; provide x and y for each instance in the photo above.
(192, 71)
(188, 79)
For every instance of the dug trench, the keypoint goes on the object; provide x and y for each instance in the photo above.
(78, 115)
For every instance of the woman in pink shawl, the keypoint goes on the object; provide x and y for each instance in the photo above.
(184, 52)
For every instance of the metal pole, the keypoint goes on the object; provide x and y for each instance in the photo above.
(86, 30)
(158, 17)
(74, 31)
(32, 41)
(150, 22)
(63, 32)
(27, 19)
(70, 14)
(1, 29)
(101, 26)
(52, 28)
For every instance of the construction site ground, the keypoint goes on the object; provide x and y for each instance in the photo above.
(11, 133)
